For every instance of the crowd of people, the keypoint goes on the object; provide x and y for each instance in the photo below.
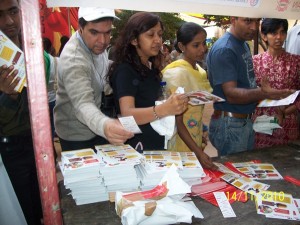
(139, 62)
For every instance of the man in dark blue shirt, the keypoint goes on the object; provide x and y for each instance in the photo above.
(231, 75)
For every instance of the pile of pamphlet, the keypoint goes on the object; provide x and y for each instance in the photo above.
(155, 166)
(119, 172)
(245, 174)
(158, 162)
(192, 171)
(92, 175)
(272, 204)
(80, 169)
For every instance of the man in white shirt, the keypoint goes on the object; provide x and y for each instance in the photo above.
(82, 68)
(292, 44)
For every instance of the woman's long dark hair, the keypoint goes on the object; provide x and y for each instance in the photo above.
(124, 51)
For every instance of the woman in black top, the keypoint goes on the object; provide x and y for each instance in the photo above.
(135, 78)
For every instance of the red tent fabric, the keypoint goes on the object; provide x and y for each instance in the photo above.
(57, 22)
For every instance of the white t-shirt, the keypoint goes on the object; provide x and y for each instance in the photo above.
(292, 44)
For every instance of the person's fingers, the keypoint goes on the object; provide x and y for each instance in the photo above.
(5, 72)
(214, 167)
(209, 164)
(12, 81)
(120, 140)
(118, 137)
(3, 68)
(8, 81)
(206, 162)
(115, 132)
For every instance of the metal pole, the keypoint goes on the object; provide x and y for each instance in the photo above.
(39, 112)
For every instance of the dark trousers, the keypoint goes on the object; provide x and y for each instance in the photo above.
(75, 145)
(18, 159)
(51, 107)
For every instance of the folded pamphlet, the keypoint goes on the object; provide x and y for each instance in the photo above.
(10, 54)
(286, 101)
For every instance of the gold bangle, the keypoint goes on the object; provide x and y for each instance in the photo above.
(155, 114)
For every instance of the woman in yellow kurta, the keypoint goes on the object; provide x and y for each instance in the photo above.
(191, 42)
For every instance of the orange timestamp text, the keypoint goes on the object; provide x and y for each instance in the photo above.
(266, 195)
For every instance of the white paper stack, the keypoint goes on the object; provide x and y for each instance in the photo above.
(88, 191)
(81, 171)
(119, 173)
(192, 171)
(156, 165)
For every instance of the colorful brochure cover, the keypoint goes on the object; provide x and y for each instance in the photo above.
(189, 160)
(162, 160)
(121, 154)
(258, 171)
(72, 160)
(10, 54)
(245, 184)
(278, 205)
(202, 97)
(225, 170)
(191, 166)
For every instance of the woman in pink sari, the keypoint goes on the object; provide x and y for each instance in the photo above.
(282, 69)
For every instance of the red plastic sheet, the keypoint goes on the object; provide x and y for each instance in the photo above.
(217, 185)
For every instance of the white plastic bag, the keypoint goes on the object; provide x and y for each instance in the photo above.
(160, 206)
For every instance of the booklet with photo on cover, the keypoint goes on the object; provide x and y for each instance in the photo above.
(10, 54)
(278, 205)
(203, 97)
(245, 184)
(258, 171)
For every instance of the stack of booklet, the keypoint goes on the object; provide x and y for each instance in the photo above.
(119, 172)
(155, 166)
(158, 162)
(80, 169)
(94, 175)
(243, 175)
(192, 171)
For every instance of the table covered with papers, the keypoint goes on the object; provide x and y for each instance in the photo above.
(284, 158)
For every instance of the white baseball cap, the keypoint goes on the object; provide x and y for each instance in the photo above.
(94, 13)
